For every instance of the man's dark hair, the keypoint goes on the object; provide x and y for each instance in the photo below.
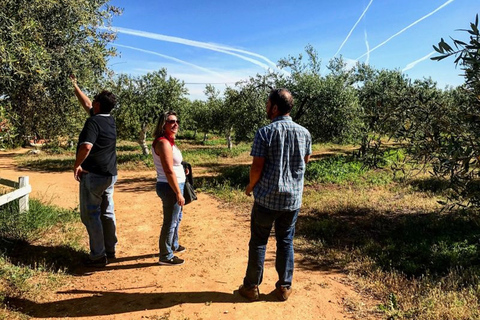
(107, 101)
(283, 99)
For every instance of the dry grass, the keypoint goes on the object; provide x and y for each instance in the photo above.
(348, 227)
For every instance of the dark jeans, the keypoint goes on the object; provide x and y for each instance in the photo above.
(261, 224)
(97, 213)
(172, 215)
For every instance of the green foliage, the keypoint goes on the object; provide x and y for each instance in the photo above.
(142, 99)
(467, 55)
(41, 43)
(246, 108)
(29, 224)
(326, 105)
(237, 115)
(338, 169)
(202, 117)
(7, 130)
(442, 129)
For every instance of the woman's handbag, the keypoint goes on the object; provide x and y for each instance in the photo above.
(189, 193)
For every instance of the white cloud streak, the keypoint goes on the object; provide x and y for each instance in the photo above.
(205, 45)
(368, 47)
(173, 59)
(414, 63)
(406, 28)
(353, 28)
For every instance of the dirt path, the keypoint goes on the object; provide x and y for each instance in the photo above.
(136, 287)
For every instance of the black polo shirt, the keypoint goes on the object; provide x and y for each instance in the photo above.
(100, 131)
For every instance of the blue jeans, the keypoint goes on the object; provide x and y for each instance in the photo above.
(97, 213)
(172, 215)
(261, 224)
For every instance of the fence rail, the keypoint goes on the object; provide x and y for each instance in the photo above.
(23, 189)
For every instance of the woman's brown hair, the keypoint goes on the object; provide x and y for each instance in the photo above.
(159, 129)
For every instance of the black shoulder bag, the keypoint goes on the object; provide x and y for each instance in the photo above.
(188, 191)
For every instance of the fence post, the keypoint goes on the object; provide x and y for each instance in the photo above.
(23, 201)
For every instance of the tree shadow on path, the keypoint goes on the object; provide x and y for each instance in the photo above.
(101, 303)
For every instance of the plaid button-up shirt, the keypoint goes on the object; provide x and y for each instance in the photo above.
(284, 145)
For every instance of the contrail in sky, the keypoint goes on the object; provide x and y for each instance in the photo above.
(174, 59)
(205, 45)
(404, 29)
(414, 63)
(368, 47)
(353, 28)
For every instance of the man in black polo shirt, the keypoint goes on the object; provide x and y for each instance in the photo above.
(96, 170)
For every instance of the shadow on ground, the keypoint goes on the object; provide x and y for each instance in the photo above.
(236, 176)
(414, 243)
(101, 303)
(140, 184)
(48, 165)
(57, 258)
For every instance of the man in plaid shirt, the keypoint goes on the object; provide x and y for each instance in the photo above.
(280, 153)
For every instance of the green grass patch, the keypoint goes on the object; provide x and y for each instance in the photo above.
(337, 169)
(29, 224)
(201, 156)
(134, 161)
(343, 169)
(39, 248)
(129, 147)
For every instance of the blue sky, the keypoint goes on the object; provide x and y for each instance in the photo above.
(221, 42)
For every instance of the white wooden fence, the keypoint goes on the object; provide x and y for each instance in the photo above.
(23, 188)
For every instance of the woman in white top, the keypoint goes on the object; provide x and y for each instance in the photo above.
(170, 182)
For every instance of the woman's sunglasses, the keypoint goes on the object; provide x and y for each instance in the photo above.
(173, 121)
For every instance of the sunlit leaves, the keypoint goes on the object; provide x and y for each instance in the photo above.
(142, 99)
(41, 43)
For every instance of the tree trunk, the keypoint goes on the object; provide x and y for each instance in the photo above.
(142, 140)
(229, 139)
(205, 137)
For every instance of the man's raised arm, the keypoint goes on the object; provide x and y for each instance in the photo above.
(84, 100)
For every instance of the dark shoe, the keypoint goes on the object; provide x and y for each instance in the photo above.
(175, 261)
(252, 294)
(180, 249)
(111, 255)
(97, 263)
(283, 293)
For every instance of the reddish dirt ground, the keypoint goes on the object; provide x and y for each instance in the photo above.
(205, 287)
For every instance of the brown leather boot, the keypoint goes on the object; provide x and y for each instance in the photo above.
(283, 293)
(251, 294)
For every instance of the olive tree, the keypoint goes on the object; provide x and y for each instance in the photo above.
(458, 157)
(141, 101)
(326, 105)
(42, 42)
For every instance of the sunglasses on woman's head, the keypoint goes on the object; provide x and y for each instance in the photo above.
(173, 121)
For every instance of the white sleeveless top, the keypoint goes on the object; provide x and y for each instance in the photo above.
(177, 165)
